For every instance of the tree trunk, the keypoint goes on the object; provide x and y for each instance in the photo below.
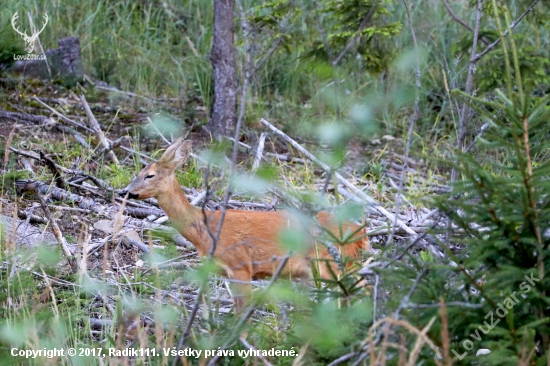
(224, 111)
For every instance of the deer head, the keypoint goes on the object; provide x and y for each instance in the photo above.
(158, 178)
(29, 40)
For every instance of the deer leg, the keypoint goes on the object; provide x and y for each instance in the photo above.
(242, 289)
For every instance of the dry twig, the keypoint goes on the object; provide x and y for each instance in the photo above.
(412, 123)
(57, 232)
(97, 130)
(460, 21)
(344, 181)
(478, 57)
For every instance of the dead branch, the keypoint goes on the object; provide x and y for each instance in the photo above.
(59, 194)
(460, 21)
(412, 123)
(109, 212)
(16, 116)
(112, 145)
(57, 232)
(505, 34)
(97, 130)
(59, 181)
(385, 231)
(375, 205)
(98, 182)
(46, 122)
(57, 113)
(282, 157)
(30, 217)
(143, 212)
(129, 241)
(259, 151)
(71, 131)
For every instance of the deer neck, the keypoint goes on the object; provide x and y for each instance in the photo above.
(186, 218)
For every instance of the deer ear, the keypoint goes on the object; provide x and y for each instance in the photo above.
(176, 154)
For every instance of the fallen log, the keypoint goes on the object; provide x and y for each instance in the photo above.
(99, 209)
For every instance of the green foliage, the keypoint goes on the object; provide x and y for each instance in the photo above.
(507, 244)
(9, 178)
(340, 22)
(533, 65)
(346, 19)
(499, 209)
(344, 324)
(10, 43)
(532, 59)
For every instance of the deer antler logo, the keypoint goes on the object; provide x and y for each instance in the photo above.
(29, 40)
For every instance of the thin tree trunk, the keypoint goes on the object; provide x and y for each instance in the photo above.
(224, 112)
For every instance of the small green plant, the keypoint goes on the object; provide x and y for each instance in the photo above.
(426, 256)
(374, 171)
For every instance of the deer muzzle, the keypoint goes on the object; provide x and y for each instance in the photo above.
(125, 192)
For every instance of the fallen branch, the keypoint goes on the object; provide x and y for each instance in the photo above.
(112, 145)
(59, 181)
(78, 137)
(129, 241)
(30, 217)
(90, 204)
(98, 182)
(97, 130)
(16, 116)
(44, 121)
(259, 152)
(57, 232)
(385, 231)
(59, 194)
(142, 213)
(344, 181)
(63, 116)
(290, 159)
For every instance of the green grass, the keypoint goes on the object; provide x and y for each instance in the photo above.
(163, 51)
(190, 175)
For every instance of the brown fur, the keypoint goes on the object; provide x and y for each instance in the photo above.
(248, 243)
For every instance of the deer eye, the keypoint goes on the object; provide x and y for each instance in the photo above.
(149, 176)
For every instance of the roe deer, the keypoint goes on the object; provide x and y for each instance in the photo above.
(247, 246)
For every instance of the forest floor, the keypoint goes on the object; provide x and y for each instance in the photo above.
(84, 202)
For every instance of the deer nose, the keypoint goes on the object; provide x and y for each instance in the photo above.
(125, 192)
